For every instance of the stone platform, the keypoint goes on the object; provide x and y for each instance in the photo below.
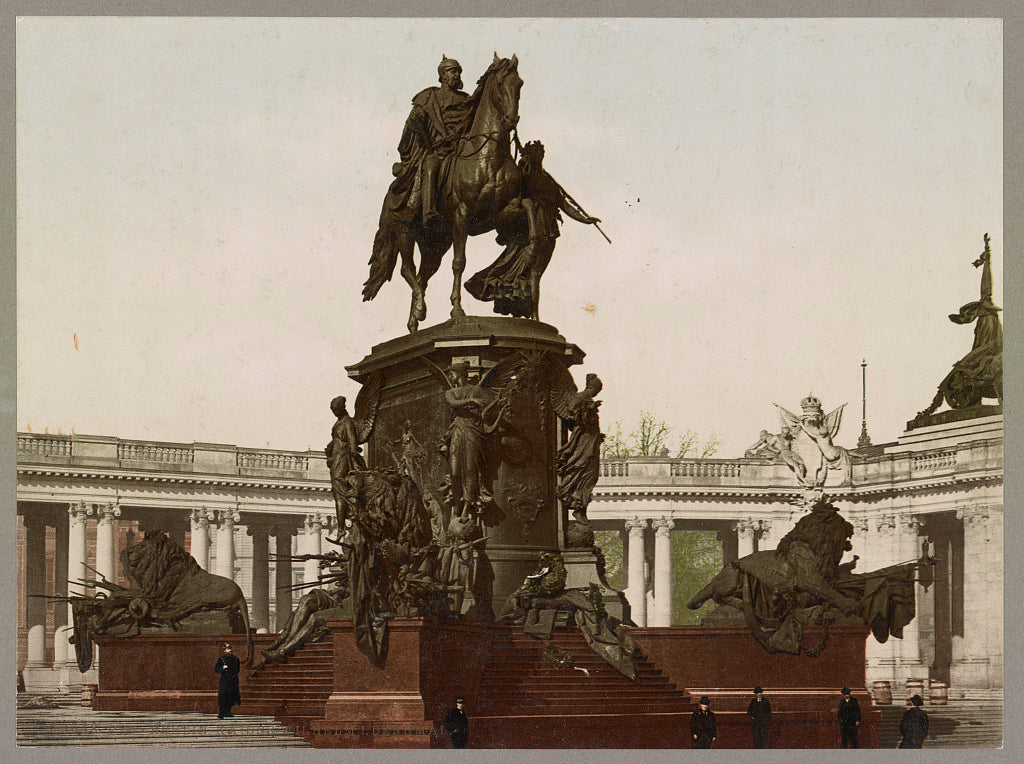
(331, 695)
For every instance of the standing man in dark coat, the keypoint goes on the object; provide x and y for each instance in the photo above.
(849, 718)
(457, 724)
(227, 666)
(914, 725)
(702, 725)
(760, 713)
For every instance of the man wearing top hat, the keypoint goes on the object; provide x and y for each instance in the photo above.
(849, 717)
(914, 725)
(702, 725)
(228, 695)
(457, 724)
(760, 713)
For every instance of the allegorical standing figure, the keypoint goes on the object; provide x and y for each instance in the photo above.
(513, 280)
(760, 713)
(457, 724)
(914, 725)
(703, 730)
(579, 457)
(849, 718)
(343, 455)
(228, 695)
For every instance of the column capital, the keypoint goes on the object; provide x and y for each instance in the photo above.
(663, 525)
(972, 514)
(34, 521)
(313, 523)
(910, 523)
(860, 525)
(107, 513)
(228, 517)
(78, 511)
(886, 523)
(257, 528)
(636, 524)
(748, 525)
(201, 517)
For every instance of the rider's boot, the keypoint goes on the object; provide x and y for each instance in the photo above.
(431, 217)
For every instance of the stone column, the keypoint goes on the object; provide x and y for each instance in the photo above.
(60, 588)
(663, 571)
(200, 546)
(636, 587)
(78, 516)
(881, 659)
(283, 576)
(314, 527)
(971, 662)
(226, 543)
(910, 646)
(106, 560)
(745, 536)
(730, 546)
(260, 577)
(35, 588)
(860, 544)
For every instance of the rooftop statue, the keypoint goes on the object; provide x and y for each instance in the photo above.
(455, 178)
(802, 583)
(168, 592)
(979, 374)
(809, 436)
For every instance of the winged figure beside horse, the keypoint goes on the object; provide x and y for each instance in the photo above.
(458, 178)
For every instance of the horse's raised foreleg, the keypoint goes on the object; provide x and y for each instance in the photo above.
(459, 236)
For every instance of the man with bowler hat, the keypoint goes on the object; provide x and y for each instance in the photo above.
(228, 695)
(457, 724)
(849, 717)
(702, 725)
(760, 713)
(914, 725)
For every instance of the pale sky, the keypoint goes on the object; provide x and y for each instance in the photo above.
(197, 200)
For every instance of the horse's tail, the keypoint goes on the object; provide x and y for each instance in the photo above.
(383, 259)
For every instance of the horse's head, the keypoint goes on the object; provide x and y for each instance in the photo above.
(501, 85)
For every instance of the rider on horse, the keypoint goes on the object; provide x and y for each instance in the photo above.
(439, 117)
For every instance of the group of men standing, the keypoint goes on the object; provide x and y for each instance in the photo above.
(704, 730)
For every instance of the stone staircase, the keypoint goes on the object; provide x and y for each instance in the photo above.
(966, 723)
(63, 721)
(294, 691)
(521, 683)
(520, 691)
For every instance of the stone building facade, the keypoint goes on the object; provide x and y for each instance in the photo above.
(243, 513)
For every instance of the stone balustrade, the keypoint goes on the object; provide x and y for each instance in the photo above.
(201, 458)
(43, 445)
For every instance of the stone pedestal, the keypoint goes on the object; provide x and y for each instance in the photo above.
(519, 459)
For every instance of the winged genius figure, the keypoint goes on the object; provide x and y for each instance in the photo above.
(821, 429)
(473, 418)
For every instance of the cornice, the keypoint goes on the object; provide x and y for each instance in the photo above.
(228, 481)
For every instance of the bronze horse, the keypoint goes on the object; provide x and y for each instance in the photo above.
(478, 183)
